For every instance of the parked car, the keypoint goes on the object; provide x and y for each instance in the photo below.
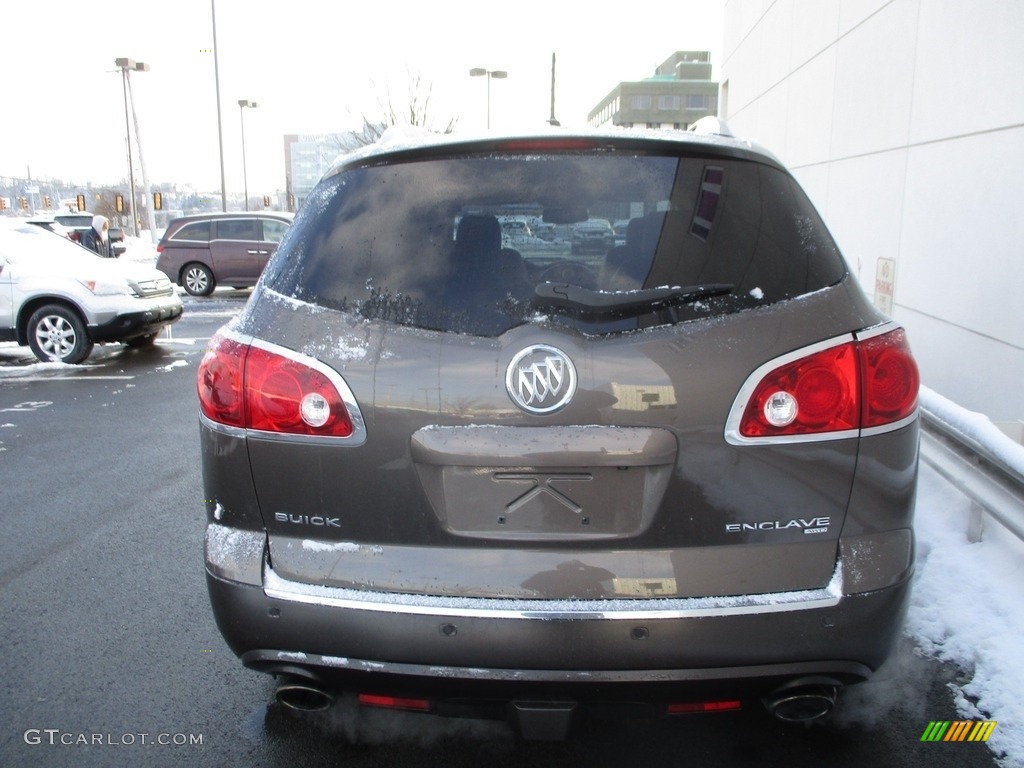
(545, 232)
(443, 475)
(51, 225)
(620, 226)
(75, 223)
(203, 251)
(117, 243)
(60, 298)
(592, 236)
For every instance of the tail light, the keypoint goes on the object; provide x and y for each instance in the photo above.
(891, 379)
(829, 391)
(259, 386)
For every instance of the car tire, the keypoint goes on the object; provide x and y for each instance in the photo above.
(197, 279)
(56, 333)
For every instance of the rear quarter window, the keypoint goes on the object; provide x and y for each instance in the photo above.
(198, 231)
(273, 230)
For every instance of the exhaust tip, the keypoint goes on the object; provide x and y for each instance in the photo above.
(303, 696)
(802, 704)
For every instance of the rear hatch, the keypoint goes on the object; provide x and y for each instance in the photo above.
(540, 424)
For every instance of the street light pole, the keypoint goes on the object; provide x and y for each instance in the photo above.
(220, 130)
(500, 74)
(551, 120)
(242, 104)
(125, 65)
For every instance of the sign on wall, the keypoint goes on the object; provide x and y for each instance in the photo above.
(885, 281)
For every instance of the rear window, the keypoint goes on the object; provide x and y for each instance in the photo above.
(455, 244)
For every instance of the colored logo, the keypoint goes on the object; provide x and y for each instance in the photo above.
(541, 379)
(959, 730)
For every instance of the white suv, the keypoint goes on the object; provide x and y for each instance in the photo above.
(60, 299)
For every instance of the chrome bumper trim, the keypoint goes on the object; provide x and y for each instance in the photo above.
(619, 609)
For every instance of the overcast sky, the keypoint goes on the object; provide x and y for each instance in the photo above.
(313, 66)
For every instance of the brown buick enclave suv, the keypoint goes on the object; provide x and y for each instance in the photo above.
(676, 475)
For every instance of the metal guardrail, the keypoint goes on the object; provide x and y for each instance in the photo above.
(993, 487)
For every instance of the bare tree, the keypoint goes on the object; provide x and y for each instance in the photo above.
(415, 111)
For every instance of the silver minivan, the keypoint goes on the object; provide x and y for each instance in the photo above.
(671, 476)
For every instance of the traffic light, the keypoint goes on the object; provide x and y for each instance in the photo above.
(266, 201)
(46, 201)
(24, 203)
(118, 203)
(81, 202)
(3, 203)
(158, 201)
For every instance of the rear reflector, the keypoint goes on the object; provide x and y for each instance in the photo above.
(394, 702)
(692, 707)
(828, 391)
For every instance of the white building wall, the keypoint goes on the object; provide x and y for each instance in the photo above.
(904, 120)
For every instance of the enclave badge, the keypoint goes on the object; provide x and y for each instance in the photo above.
(541, 379)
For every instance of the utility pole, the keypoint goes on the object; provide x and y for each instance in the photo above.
(150, 217)
(124, 65)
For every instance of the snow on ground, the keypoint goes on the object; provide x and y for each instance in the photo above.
(140, 248)
(968, 599)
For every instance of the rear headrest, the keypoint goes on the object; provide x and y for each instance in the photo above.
(479, 233)
(635, 232)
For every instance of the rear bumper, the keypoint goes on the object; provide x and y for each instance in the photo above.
(476, 647)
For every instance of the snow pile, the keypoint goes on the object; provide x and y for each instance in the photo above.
(141, 249)
(968, 599)
(977, 427)
(172, 366)
(32, 369)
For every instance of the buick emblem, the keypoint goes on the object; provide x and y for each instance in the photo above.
(541, 379)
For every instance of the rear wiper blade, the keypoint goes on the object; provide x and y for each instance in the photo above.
(575, 297)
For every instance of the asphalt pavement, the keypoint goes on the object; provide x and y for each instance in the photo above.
(111, 656)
